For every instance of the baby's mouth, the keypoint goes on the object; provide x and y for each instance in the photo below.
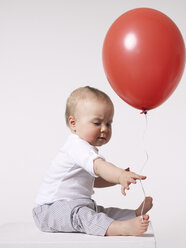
(102, 138)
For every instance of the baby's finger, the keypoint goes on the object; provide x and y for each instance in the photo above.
(123, 191)
(140, 177)
(132, 180)
(127, 183)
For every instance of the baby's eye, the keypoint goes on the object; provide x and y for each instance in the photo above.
(97, 123)
(109, 124)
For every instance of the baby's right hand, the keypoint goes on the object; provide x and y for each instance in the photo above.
(127, 177)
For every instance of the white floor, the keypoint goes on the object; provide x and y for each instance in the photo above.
(19, 235)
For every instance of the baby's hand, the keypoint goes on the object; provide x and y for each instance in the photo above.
(127, 177)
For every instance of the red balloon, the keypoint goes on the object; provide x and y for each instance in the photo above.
(144, 57)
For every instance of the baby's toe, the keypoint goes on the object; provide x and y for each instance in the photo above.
(145, 216)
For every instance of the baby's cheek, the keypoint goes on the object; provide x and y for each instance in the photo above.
(93, 135)
(109, 135)
(90, 135)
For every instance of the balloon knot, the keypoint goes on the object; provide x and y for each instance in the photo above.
(143, 112)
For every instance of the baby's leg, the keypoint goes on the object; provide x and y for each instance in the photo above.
(147, 206)
(118, 214)
(132, 227)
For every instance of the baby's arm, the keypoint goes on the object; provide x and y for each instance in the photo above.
(115, 175)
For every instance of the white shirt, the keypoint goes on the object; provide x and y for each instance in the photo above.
(71, 174)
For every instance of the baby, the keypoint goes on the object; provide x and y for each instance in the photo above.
(64, 201)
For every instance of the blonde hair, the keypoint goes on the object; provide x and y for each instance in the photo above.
(83, 93)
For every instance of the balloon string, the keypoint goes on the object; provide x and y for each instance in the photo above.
(145, 162)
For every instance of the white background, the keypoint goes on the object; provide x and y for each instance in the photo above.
(49, 48)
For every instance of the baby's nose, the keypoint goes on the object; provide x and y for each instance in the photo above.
(103, 128)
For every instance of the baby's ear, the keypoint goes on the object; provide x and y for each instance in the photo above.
(72, 123)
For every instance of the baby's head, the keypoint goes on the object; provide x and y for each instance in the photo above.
(89, 114)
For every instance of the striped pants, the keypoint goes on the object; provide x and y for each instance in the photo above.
(81, 215)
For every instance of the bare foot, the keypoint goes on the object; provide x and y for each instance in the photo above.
(132, 227)
(148, 205)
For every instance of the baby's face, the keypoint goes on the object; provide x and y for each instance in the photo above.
(93, 121)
